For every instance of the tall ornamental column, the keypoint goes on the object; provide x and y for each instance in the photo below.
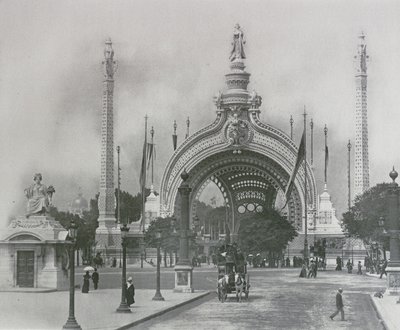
(183, 268)
(107, 197)
(393, 268)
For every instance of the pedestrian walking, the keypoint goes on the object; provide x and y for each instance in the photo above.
(313, 270)
(383, 270)
(303, 272)
(130, 292)
(339, 305)
(95, 278)
(85, 286)
(338, 264)
(359, 271)
(349, 266)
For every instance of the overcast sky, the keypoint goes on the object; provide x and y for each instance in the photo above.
(172, 57)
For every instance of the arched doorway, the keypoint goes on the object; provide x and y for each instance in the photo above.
(250, 162)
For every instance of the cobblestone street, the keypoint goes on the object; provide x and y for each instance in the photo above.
(281, 300)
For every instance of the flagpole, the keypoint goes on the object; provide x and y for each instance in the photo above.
(326, 158)
(144, 174)
(152, 155)
(348, 175)
(305, 188)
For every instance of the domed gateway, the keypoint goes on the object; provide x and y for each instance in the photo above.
(249, 161)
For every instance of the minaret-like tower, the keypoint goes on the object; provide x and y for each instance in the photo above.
(107, 195)
(361, 161)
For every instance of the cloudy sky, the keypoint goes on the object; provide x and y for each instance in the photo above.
(172, 57)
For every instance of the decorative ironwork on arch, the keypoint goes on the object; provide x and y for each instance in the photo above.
(249, 161)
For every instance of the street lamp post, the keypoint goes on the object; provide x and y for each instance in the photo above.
(71, 322)
(141, 246)
(158, 295)
(123, 306)
(183, 268)
(393, 230)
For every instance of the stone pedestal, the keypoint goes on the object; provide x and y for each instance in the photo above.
(33, 254)
(393, 280)
(183, 279)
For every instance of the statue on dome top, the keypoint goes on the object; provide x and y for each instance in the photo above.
(237, 52)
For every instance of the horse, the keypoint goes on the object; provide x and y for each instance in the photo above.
(239, 286)
(222, 288)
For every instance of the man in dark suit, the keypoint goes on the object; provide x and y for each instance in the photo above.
(339, 305)
(95, 278)
(130, 292)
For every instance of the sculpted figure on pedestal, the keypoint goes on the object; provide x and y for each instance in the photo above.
(39, 197)
(238, 42)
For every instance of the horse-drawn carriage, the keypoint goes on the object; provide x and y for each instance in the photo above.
(232, 273)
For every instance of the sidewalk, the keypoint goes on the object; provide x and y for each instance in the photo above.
(386, 307)
(388, 310)
(95, 310)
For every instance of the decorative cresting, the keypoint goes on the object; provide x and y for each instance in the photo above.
(250, 162)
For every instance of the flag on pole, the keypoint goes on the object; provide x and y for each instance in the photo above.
(326, 163)
(174, 140)
(300, 157)
(150, 153)
(142, 180)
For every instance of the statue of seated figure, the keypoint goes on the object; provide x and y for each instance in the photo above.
(39, 197)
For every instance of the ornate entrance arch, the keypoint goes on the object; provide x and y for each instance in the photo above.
(249, 161)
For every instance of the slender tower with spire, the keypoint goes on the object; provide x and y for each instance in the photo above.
(361, 161)
(107, 195)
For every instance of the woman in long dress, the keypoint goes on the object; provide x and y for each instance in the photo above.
(86, 278)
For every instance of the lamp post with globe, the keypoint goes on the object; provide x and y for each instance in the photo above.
(71, 321)
(123, 307)
(158, 295)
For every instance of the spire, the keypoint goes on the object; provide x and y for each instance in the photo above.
(109, 63)
(361, 57)
(187, 127)
(361, 159)
(291, 121)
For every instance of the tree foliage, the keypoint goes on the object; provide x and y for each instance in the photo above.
(169, 239)
(267, 231)
(362, 219)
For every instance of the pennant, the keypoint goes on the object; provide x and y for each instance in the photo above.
(174, 140)
(150, 148)
(300, 157)
(142, 180)
(326, 163)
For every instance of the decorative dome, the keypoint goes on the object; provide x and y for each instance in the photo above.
(79, 203)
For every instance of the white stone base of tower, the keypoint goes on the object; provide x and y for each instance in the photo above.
(393, 280)
(183, 279)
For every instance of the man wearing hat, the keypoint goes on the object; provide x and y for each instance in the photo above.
(130, 292)
(339, 305)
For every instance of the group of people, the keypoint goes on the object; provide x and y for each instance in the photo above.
(129, 292)
(312, 270)
(86, 280)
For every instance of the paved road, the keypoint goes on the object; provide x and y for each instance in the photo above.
(280, 300)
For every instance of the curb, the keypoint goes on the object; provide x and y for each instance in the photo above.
(385, 327)
(137, 322)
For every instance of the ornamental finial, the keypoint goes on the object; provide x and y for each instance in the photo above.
(393, 175)
(109, 63)
(237, 52)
